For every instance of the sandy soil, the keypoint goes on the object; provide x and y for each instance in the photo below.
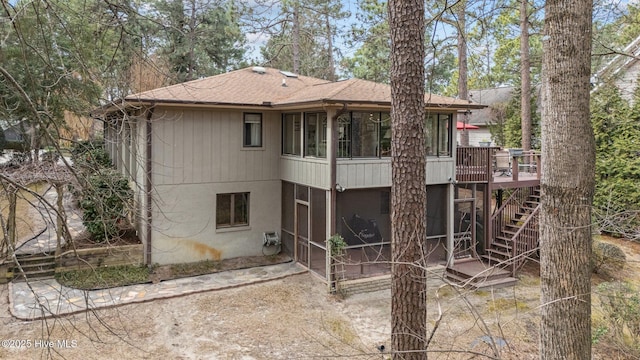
(292, 318)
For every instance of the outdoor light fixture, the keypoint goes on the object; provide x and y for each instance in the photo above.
(339, 188)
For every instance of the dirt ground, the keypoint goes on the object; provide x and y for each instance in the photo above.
(292, 318)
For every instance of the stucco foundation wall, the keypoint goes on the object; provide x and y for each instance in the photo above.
(184, 221)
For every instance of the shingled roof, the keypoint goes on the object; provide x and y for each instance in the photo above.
(260, 86)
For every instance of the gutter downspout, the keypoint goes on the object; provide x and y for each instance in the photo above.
(333, 154)
(332, 166)
(148, 185)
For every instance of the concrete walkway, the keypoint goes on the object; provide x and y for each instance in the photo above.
(44, 298)
(45, 242)
(47, 298)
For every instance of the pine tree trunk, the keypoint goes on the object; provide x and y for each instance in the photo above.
(332, 68)
(296, 39)
(567, 182)
(525, 77)
(463, 68)
(408, 299)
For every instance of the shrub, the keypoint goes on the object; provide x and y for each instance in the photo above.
(90, 156)
(607, 259)
(50, 157)
(104, 202)
(18, 158)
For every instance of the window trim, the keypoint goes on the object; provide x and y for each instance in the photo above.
(320, 135)
(345, 144)
(232, 223)
(448, 127)
(296, 116)
(246, 121)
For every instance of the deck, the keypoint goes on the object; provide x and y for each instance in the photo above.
(489, 165)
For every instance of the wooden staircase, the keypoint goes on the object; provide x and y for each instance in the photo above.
(515, 231)
(39, 266)
(514, 239)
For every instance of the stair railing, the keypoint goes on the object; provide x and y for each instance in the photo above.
(507, 211)
(524, 241)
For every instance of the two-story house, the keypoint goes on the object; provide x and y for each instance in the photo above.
(218, 162)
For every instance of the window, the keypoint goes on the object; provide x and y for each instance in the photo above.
(315, 135)
(291, 144)
(364, 134)
(252, 133)
(438, 134)
(232, 210)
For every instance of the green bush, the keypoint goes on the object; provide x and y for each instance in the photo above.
(104, 202)
(621, 307)
(616, 125)
(607, 259)
(90, 156)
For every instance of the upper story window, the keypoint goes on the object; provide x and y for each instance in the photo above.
(315, 135)
(291, 141)
(438, 134)
(364, 134)
(252, 130)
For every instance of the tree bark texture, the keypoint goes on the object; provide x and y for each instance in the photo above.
(296, 38)
(408, 289)
(567, 182)
(525, 77)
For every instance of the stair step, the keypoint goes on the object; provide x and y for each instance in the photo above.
(501, 245)
(499, 254)
(35, 259)
(38, 274)
(26, 267)
(496, 283)
(509, 233)
(506, 240)
(482, 282)
(34, 267)
(493, 261)
(453, 276)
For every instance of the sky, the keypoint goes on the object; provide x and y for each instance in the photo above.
(256, 40)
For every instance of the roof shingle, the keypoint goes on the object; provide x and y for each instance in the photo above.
(272, 87)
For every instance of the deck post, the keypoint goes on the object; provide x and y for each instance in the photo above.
(450, 226)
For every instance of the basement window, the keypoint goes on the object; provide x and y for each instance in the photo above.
(232, 210)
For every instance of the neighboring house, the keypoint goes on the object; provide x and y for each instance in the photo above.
(218, 162)
(483, 117)
(76, 128)
(13, 132)
(622, 71)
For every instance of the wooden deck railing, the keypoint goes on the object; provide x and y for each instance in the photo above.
(477, 165)
(474, 164)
